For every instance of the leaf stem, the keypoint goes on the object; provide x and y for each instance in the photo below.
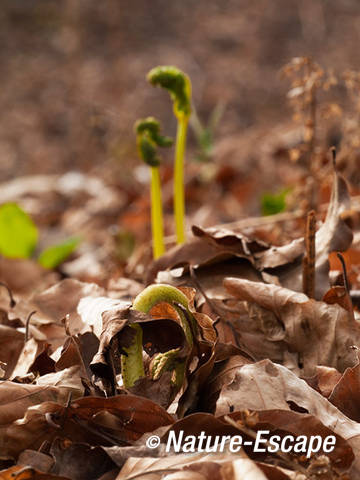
(179, 196)
(132, 367)
(157, 222)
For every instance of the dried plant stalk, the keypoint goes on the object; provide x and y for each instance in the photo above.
(310, 256)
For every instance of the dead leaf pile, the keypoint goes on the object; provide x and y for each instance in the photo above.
(262, 357)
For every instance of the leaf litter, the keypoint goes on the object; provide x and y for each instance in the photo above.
(258, 354)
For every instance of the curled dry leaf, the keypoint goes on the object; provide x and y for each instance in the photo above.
(212, 246)
(208, 246)
(160, 335)
(162, 332)
(313, 332)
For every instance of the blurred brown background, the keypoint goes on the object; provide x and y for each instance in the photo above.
(73, 71)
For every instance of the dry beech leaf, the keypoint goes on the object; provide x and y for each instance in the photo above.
(278, 421)
(38, 460)
(223, 373)
(206, 247)
(69, 378)
(63, 299)
(325, 380)
(346, 393)
(122, 419)
(22, 274)
(11, 345)
(20, 472)
(34, 358)
(282, 422)
(78, 351)
(16, 398)
(79, 461)
(287, 321)
(265, 385)
(199, 466)
(211, 247)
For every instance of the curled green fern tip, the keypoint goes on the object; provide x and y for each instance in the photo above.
(148, 138)
(178, 85)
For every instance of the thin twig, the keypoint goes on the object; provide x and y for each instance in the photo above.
(27, 325)
(310, 256)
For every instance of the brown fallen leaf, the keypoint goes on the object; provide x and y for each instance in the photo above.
(221, 375)
(35, 358)
(78, 351)
(94, 420)
(211, 246)
(345, 395)
(200, 466)
(284, 422)
(16, 398)
(38, 460)
(289, 325)
(11, 345)
(21, 275)
(20, 472)
(63, 299)
(79, 461)
(265, 385)
(324, 380)
(69, 378)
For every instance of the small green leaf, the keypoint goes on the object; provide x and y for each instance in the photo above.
(53, 256)
(274, 203)
(18, 233)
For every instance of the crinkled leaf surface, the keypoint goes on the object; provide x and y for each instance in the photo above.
(289, 325)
